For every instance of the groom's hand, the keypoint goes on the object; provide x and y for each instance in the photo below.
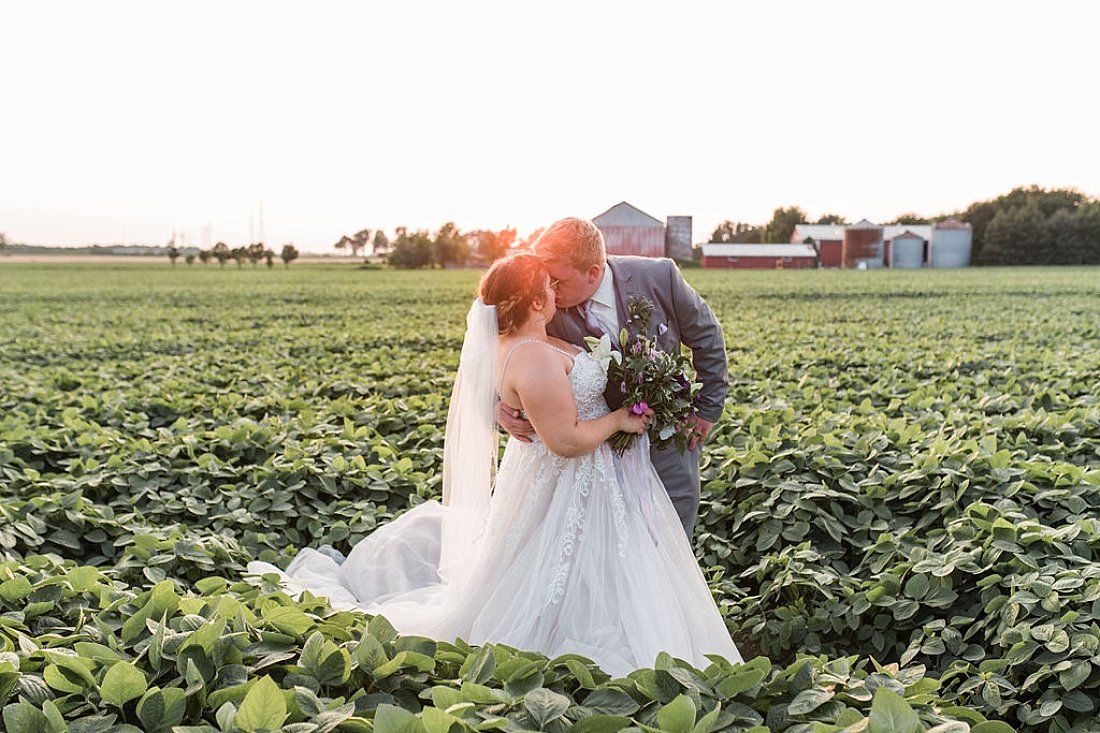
(509, 418)
(696, 430)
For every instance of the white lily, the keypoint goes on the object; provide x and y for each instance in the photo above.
(601, 350)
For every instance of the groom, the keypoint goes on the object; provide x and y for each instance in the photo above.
(593, 292)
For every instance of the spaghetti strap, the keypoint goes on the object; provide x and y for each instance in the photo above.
(521, 342)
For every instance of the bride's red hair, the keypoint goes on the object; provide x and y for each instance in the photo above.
(514, 284)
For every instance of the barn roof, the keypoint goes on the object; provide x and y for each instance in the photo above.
(893, 231)
(723, 249)
(818, 232)
(951, 224)
(623, 214)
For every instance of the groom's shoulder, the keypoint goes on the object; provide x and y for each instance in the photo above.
(642, 265)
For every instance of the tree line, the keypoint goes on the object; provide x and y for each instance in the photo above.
(222, 253)
(446, 247)
(1027, 226)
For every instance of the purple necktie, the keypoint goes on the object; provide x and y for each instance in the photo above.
(591, 324)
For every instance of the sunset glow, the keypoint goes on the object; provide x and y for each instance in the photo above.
(126, 122)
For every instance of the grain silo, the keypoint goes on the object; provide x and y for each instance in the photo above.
(950, 245)
(678, 238)
(627, 230)
(862, 246)
(907, 250)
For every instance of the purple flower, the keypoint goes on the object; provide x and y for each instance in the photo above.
(641, 378)
(637, 348)
(662, 329)
(638, 408)
(622, 387)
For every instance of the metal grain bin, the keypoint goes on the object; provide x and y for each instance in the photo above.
(950, 245)
(862, 246)
(678, 238)
(907, 250)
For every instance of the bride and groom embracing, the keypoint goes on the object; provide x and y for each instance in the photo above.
(551, 551)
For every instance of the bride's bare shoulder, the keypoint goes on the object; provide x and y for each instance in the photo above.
(529, 359)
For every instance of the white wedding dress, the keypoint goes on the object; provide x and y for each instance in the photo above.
(571, 560)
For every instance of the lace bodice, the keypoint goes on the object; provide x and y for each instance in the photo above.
(589, 380)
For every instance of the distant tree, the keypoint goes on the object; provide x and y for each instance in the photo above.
(782, 225)
(221, 253)
(173, 253)
(751, 235)
(360, 241)
(3, 241)
(736, 232)
(255, 252)
(269, 256)
(381, 243)
(816, 246)
(1013, 236)
(190, 258)
(239, 255)
(491, 246)
(1088, 234)
(1057, 237)
(450, 246)
(724, 232)
(204, 256)
(528, 241)
(344, 244)
(980, 214)
(289, 254)
(411, 251)
(830, 219)
(909, 218)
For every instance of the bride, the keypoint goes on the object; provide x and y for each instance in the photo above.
(555, 553)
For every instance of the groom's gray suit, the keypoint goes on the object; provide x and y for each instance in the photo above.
(690, 322)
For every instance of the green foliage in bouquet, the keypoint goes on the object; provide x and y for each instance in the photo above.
(648, 378)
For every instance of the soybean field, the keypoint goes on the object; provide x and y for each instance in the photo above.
(900, 518)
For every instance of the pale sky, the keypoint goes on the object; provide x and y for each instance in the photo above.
(122, 122)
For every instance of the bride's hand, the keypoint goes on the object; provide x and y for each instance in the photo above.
(631, 423)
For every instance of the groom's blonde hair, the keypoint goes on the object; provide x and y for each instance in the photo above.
(576, 242)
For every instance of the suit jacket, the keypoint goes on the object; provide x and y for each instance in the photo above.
(676, 305)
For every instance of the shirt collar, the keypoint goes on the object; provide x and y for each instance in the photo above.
(605, 293)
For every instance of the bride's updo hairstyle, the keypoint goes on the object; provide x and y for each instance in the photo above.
(514, 284)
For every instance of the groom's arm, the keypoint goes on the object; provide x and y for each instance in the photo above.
(701, 332)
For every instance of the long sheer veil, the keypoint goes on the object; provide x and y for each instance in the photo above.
(470, 445)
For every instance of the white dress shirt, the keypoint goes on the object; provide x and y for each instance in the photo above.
(603, 305)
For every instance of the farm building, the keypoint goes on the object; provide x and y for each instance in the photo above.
(828, 237)
(758, 256)
(627, 230)
(868, 245)
(906, 250)
(950, 244)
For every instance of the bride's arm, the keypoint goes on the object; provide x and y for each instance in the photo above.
(542, 385)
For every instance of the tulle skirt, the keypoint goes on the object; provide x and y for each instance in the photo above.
(580, 555)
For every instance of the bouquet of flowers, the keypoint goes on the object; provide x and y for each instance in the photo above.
(648, 378)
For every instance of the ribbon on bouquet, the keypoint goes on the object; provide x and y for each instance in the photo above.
(636, 477)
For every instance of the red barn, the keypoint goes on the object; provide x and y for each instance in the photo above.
(759, 256)
(829, 238)
(628, 230)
